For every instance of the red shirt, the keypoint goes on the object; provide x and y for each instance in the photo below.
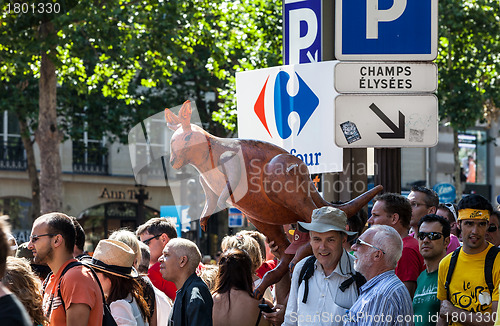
(265, 267)
(165, 286)
(77, 286)
(411, 263)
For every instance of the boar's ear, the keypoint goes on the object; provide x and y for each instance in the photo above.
(173, 121)
(185, 115)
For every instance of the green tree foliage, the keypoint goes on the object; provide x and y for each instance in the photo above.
(469, 66)
(468, 60)
(117, 62)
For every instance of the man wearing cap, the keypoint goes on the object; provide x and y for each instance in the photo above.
(324, 297)
(467, 299)
(79, 301)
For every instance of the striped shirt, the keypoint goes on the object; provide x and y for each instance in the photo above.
(383, 300)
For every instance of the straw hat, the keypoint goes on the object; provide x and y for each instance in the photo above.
(114, 257)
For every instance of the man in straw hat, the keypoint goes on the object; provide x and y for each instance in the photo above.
(323, 297)
(52, 242)
(193, 302)
(466, 298)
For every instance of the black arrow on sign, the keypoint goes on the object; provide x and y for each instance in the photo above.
(397, 132)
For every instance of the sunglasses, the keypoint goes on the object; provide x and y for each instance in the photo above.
(492, 228)
(451, 207)
(147, 241)
(430, 235)
(360, 242)
(34, 238)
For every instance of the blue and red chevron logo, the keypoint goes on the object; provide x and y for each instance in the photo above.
(305, 102)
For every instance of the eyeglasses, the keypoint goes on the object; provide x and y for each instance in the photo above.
(430, 235)
(147, 241)
(451, 207)
(416, 205)
(492, 228)
(34, 238)
(360, 242)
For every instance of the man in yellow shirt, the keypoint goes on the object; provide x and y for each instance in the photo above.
(467, 300)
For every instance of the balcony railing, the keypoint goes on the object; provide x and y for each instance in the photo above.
(13, 156)
(91, 158)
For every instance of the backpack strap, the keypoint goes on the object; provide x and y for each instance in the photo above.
(70, 265)
(488, 267)
(305, 274)
(356, 277)
(44, 285)
(451, 268)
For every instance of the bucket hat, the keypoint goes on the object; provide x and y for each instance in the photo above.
(326, 219)
(114, 257)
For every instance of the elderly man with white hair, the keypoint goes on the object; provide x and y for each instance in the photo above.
(383, 299)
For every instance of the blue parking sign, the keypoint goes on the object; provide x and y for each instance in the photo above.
(302, 31)
(396, 30)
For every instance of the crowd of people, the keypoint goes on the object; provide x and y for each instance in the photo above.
(414, 261)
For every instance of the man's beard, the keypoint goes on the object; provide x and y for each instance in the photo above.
(43, 258)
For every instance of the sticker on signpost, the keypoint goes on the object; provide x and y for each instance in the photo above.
(350, 131)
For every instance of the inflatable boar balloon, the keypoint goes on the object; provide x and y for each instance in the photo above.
(251, 175)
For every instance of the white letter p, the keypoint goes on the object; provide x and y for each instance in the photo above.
(373, 15)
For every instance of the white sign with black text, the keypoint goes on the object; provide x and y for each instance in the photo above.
(386, 121)
(386, 77)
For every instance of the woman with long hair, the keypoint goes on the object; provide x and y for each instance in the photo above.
(113, 262)
(234, 303)
(252, 248)
(130, 239)
(22, 281)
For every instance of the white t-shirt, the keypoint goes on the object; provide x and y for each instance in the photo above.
(126, 312)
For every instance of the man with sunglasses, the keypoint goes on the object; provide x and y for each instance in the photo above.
(433, 237)
(466, 298)
(493, 232)
(156, 233)
(383, 299)
(74, 298)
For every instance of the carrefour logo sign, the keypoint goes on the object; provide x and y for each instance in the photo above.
(292, 107)
(304, 103)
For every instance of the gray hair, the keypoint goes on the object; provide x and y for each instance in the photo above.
(130, 239)
(185, 247)
(388, 239)
(143, 265)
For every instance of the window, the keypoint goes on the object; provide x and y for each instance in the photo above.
(12, 153)
(90, 154)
